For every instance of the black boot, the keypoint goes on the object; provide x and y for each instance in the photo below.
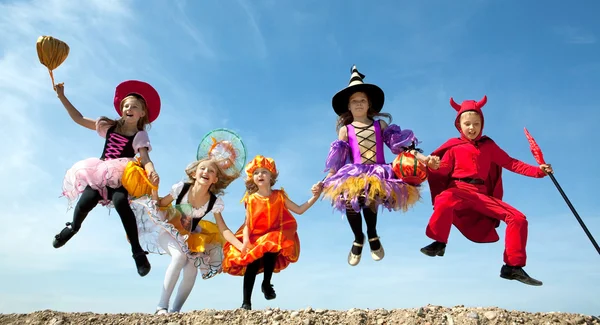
(142, 263)
(517, 273)
(434, 249)
(63, 237)
(246, 306)
(268, 290)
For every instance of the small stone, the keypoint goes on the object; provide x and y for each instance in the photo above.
(173, 323)
(268, 312)
(380, 321)
(473, 315)
(308, 309)
(275, 323)
(490, 315)
(278, 317)
(320, 311)
(219, 316)
(420, 312)
(307, 322)
(294, 314)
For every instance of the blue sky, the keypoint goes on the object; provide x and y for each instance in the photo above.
(268, 69)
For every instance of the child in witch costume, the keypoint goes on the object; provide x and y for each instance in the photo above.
(359, 178)
(98, 180)
(466, 189)
(270, 240)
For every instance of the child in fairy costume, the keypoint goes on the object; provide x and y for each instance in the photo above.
(270, 240)
(466, 191)
(179, 224)
(98, 180)
(359, 178)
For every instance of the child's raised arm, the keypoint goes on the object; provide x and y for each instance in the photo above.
(227, 233)
(316, 190)
(73, 112)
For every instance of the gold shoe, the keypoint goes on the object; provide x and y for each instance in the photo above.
(354, 259)
(379, 253)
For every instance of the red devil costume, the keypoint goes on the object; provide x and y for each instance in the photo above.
(467, 192)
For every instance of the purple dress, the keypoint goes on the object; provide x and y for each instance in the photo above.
(359, 175)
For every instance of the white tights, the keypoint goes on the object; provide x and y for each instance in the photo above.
(179, 262)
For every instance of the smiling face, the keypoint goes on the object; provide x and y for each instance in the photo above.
(262, 177)
(132, 110)
(470, 124)
(358, 104)
(206, 173)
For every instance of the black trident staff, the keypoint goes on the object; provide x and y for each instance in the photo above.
(539, 157)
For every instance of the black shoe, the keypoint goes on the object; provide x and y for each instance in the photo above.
(269, 292)
(246, 306)
(434, 249)
(142, 263)
(517, 273)
(63, 237)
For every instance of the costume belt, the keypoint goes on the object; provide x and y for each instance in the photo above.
(476, 181)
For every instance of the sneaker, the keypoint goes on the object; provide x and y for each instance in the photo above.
(434, 249)
(517, 273)
(161, 311)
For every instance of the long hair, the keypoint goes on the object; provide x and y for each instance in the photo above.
(347, 118)
(142, 124)
(223, 181)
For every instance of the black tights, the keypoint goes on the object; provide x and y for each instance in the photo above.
(268, 263)
(120, 199)
(355, 221)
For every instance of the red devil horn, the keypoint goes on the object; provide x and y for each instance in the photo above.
(454, 104)
(482, 102)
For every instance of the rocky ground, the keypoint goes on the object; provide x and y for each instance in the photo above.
(430, 315)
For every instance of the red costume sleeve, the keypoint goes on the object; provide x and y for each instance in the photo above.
(501, 158)
(447, 163)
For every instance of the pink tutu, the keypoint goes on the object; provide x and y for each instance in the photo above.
(98, 174)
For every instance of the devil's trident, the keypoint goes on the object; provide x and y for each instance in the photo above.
(539, 157)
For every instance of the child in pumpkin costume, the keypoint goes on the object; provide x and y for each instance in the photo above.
(466, 189)
(270, 240)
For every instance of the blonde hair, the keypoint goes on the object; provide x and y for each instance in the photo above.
(347, 118)
(223, 180)
(142, 124)
(251, 187)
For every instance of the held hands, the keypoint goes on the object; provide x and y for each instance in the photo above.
(153, 177)
(317, 189)
(246, 247)
(547, 168)
(432, 162)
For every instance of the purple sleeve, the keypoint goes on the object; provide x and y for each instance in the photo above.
(338, 154)
(398, 140)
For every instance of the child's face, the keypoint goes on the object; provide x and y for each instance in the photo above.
(470, 124)
(206, 173)
(262, 177)
(133, 110)
(358, 104)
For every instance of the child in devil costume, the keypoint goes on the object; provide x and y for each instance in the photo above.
(466, 190)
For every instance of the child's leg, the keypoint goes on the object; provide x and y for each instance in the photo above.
(355, 221)
(178, 261)
(120, 199)
(249, 279)
(269, 260)
(185, 287)
(87, 201)
(371, 221)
